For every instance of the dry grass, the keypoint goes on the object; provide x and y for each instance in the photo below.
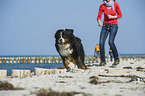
(44, 92)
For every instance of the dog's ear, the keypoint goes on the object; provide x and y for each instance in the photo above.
(78, 39)
(58, 31)
(69, 30)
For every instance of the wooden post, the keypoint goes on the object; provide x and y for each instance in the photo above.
(41, 71)
(45, 60)
(14, 60)
(32, 60)
(36, 60)
(22, 60)
(18, 60)
(41, 60)
(3, 74)
(0, 60)
(20, 73)
(7, 60)
(25, 60)
(4, 61)
(28, 60)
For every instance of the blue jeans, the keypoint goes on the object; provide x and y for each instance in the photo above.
(112, 31)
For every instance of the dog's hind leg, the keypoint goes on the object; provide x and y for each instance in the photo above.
(81, 63)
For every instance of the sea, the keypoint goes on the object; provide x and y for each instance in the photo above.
(31, 67)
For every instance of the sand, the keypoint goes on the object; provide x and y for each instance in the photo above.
(124, 80)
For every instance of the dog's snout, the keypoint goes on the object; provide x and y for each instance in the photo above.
(60, 40)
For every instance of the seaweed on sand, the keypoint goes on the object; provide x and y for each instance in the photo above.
(140, 69)
(65, 77)
(49, 92)
(127, 76)
(95, 81)
(127, 67)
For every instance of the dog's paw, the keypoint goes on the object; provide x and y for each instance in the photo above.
(68, 69)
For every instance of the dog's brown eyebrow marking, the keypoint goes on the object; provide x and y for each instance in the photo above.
(66, 40)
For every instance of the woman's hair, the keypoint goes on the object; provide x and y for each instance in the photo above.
(113, 0)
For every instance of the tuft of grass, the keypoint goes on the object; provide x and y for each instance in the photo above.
(112, 66)
(89, 65)
(131, 62)
(94, 81)
(127, 76)
(61, 82)
(8, 86)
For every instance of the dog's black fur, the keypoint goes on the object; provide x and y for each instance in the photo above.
(70, 48)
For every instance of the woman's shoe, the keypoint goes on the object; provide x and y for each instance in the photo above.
(102, 64)
(115, 63)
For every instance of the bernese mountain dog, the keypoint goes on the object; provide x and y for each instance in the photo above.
(70, 48)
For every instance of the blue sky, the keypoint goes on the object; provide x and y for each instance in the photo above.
(27, 27)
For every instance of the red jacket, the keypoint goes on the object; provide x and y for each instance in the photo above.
(116, 12)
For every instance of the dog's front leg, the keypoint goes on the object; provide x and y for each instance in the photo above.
(73, 60)
(65, 62)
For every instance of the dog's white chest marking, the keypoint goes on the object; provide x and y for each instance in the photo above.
(65, 50)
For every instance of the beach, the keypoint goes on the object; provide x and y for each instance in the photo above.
(127, 78)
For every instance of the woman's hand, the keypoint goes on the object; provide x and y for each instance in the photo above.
(99, 23)
(111, 17)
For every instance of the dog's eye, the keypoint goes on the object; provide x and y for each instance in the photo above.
(64, 35)
(59, 36)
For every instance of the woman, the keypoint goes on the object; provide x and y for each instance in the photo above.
(111, 12)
